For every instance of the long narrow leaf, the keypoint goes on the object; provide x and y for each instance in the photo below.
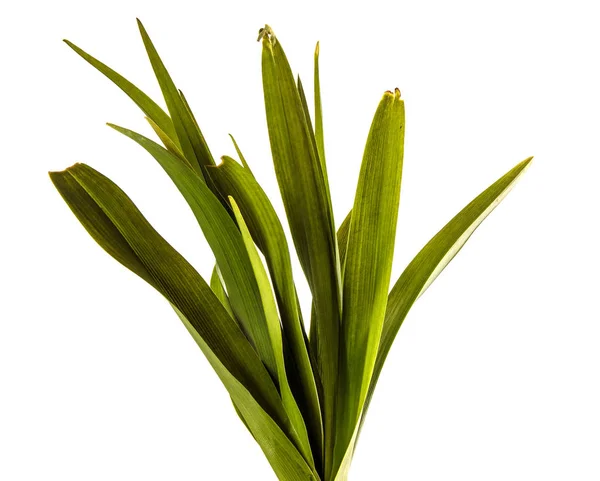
(233, 180)
(368, 262)
(145, 103)
(342, 239)
(225, 241)
(217, 287)
(240, 155)
(308, 209)
(274, 327)
(169, 144)
(319, 114)
(434, 257)
(283, 456)
(190, 138)
(118, 226)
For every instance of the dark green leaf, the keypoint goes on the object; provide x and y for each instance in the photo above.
(117, 225)
(225, 241)
(145, 103)
(308, 209)
(190, 138)
(233, 180)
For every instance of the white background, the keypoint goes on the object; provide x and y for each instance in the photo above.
(495, 374)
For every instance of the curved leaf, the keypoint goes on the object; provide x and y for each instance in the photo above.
(116, 224)
(225, 241)
(434, 257)
(145, 103)
(233, 180)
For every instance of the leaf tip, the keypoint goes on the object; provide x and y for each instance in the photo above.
(267, 35)
(317, 49)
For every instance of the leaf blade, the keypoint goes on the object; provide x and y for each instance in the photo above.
(191, 140)
(267, 232)
(275, 333)
(319, 136)
(145, 103)
(368, 263)
(308, 209)
(225, 241)
(118, 226)
(434, 257)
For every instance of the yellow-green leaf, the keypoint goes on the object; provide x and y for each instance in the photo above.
(368, 264)
(273, 324)
(434, 257)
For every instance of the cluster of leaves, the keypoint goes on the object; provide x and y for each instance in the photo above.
(303, 397)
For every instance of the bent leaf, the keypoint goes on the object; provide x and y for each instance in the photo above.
(225, 241)
(112, 219)
(116, 224)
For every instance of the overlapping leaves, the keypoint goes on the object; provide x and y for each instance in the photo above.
(304, 400)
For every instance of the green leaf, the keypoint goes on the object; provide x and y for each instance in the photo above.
(216, 284)
(434, 257)
(342, 239)
(368, 264)
(319, 114)
(145, 103)
(169, 144)
(112, 219)
(226, 242)
(116, 224)
(274, 327)
(190, 137)
(308, 208)
(283, 456)
(236, 181)
(241, 156)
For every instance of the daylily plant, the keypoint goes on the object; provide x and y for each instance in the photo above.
(302, 395)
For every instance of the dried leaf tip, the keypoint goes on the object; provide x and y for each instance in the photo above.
(267, 33)
(395, 94)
